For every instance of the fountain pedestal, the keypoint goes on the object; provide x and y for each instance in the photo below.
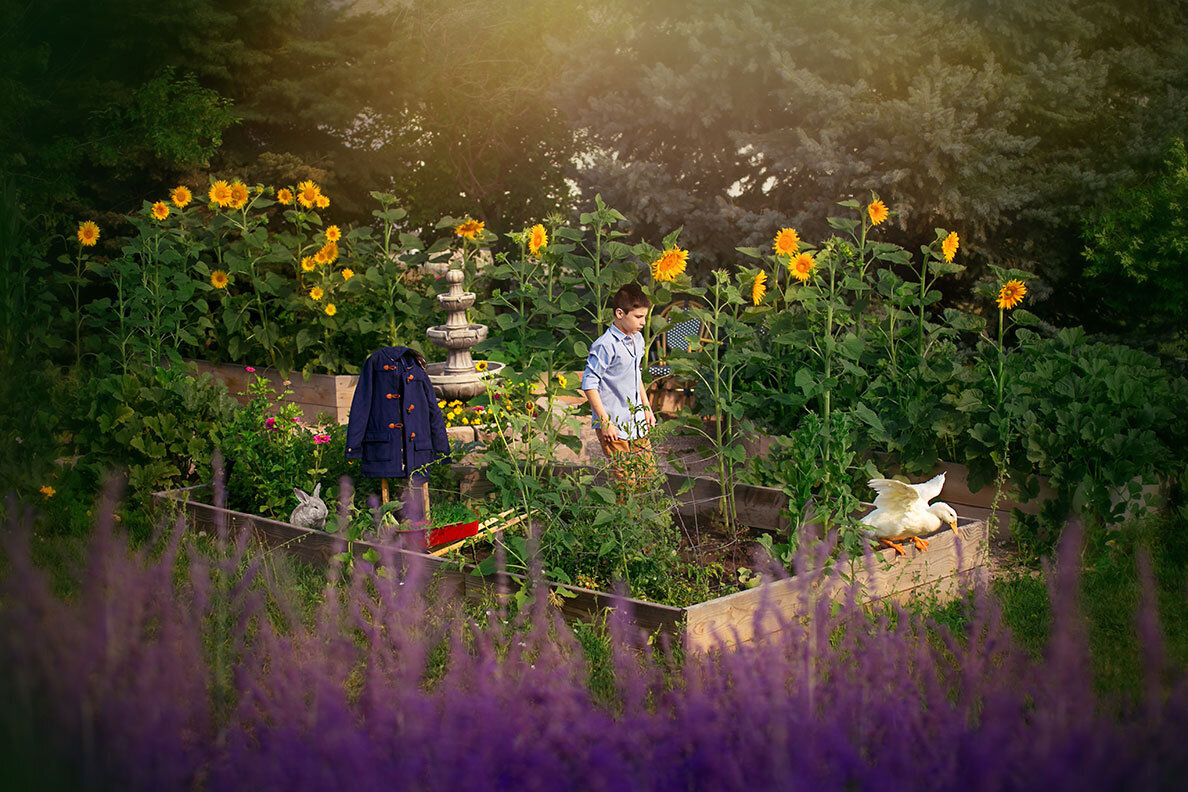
(457, 377)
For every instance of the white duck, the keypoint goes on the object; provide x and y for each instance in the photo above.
(902, 511)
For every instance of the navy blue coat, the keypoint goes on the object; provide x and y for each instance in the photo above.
(395, 425)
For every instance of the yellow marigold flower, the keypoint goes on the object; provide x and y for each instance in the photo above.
(759, 288)
(1011, 294)
(316, 293)
(670, 264)
(330, 309)
(48, 491)
(220, 193)
(786, 242)
(330, 250)
(877, 211)
(441, 404)
(538, 238)
(307, 194)
(285, 196)
(88, 233)
(160, 210)
(307, 264)
(218, 279)
(181, 196)
(480, 366)
(802, 267)
(347, 273)
(239, 195)
(333, 234)
(322, 201)
(949, 246)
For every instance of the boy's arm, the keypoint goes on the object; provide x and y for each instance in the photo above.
(606, 427)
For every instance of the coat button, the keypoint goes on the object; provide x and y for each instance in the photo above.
(413, 434)
(410, 377)
(410, 407)
(392, 426)
(389, 396)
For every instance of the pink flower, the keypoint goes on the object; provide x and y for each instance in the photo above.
(249, 369)
(321, 438)
(296, 419)
(270, 422)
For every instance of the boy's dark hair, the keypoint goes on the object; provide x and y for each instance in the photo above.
(630, 297)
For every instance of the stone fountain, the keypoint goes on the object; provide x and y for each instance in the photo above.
(457, 377)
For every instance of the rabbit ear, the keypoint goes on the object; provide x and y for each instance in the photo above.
(301, 496)
(317, 489)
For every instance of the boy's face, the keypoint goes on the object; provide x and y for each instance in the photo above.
(631, 322)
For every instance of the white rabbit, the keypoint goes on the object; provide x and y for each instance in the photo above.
(311, 512)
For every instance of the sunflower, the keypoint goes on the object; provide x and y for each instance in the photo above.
(284, 195)
(480, 366)
(160, 210)
(88, 233)
(670, 264)
(877, 211)
(1011, 294)
(802, 267)
(949, 246)
(329, 251)
(307, 264)
(47, 491)
(330, 309)
(316, 293)
(320, 256)
(347, 273)
(759, 288)
(239, 195)
(469, 229)
(333, 234)
(537, 239)
(786, 242)
(564, 383)
(322, 201)
(181, 196)
(220, 193)
(218, 279)
(307, 193)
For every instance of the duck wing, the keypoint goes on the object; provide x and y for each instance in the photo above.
(895, 496)
(930, 489)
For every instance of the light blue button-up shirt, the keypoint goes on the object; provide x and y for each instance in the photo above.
(612, 369)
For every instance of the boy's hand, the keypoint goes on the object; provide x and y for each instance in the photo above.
(607, 430)
(650, 417)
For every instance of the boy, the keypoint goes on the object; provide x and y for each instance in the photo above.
(614, 387)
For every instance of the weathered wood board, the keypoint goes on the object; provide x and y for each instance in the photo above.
(321, 393)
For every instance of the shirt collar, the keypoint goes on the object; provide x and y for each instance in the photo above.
(618, 333)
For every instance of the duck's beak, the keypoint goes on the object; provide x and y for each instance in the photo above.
(953, 523)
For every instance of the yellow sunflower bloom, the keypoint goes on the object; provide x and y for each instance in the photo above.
(307, 194)
(480, 366)
(219, 279)
(88, 233)
(538, 238)
(285, 196)
(307, 264)
(322, 201)
(333, 234)
(48, 491)
(786, 242)
(330, 251)
(802, 267)
(759, 288)
(564, 383)
(670, 264)
(330, 309)
(220, 193)
(160, 210)
(181, 196)
(239, 195)
(469, 229)
(320, 256)
(877, 211)
(316, 293)
(949, 246)
(1011, 294)
(347, 273)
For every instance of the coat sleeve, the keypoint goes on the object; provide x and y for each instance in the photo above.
(360, 409)
(437, 427)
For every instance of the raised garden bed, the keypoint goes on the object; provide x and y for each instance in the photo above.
(321, 393)
(954, 561)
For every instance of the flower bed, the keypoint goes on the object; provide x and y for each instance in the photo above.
(954, 561)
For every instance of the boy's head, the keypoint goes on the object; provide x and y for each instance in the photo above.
(631, 306)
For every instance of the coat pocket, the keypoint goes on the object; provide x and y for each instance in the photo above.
(377, 447)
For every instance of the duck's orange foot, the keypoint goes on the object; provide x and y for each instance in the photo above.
(920, 544)
(898, 548)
